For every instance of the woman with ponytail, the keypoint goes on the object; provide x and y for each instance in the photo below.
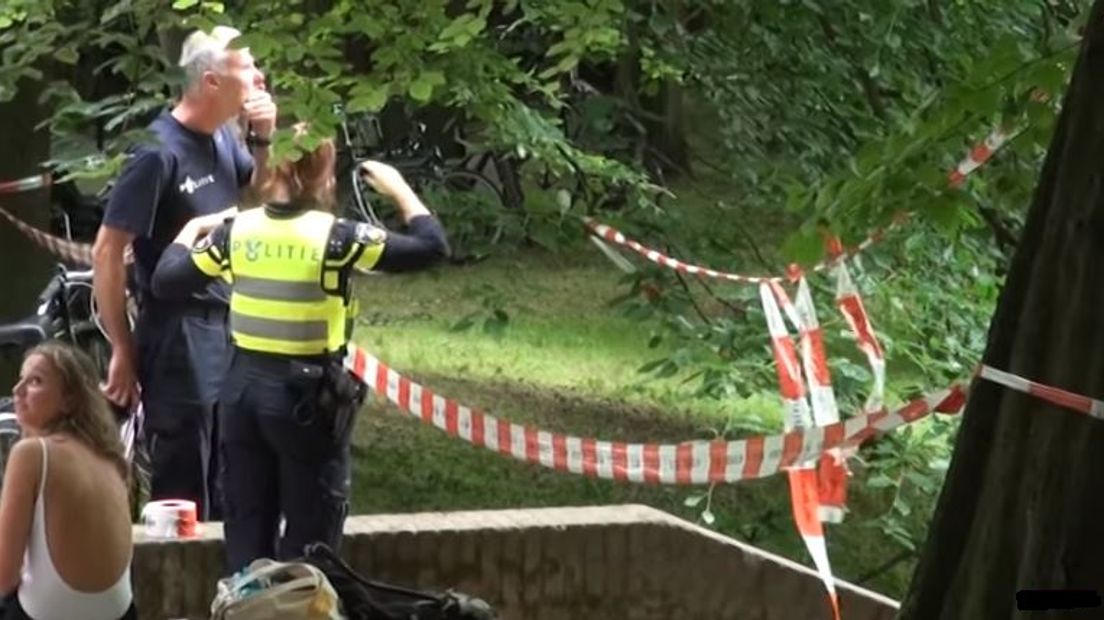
(65, 531)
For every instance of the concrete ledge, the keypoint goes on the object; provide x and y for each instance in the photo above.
(607, 562)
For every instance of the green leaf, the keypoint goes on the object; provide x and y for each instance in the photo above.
(368, 98)
(421, 90)
(183, 5)
(214, 7)
(803, 247)
(67, 55)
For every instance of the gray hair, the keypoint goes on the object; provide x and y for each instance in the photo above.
(203, 51)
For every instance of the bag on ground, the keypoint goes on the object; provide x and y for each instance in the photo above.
(364, 599)
(267, 589)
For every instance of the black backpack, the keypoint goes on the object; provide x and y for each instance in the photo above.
(364, 599)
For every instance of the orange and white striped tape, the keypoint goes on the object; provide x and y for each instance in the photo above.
(686, 463)
(790, 382)
(851, 306)
(1091, 407)
(608, 233)
(73, 252)
(815, 361)
(831, 469)
(976, 158)
(26, 184)
(802, 478)
(804, 500)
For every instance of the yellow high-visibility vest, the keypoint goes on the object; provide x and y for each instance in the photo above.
(289, 295)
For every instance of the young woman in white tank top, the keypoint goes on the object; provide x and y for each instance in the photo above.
(65, 532)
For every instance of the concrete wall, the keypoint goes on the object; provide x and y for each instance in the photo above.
(601, 563)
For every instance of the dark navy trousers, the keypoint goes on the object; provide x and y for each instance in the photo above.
(183, 351)
(278, 459)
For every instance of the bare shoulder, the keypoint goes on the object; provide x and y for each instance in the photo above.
(24, 449)
(24, 461)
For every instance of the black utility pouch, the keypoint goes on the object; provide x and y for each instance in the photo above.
(341, 396)
(307, 382)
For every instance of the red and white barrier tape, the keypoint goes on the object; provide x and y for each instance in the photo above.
(802, 478)
(685, 463)
(814, 359)
(831, 469)
(610, 234)
(976, 158)
(70, 251)
(1091, 407)
(851, 306)
(790, 382)
(26, 184)
(805, 502)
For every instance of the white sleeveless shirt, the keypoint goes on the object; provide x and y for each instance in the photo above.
(44, 595)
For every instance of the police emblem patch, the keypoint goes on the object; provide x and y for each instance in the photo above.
(369, 235)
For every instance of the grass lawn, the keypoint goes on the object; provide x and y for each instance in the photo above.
(566, 361)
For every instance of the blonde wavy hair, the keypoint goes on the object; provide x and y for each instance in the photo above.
(309, 180)
(88, 417)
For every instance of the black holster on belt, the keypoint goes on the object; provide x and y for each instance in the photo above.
(335, 400)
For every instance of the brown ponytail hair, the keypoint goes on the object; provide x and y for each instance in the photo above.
(87, 418)
(310, 178)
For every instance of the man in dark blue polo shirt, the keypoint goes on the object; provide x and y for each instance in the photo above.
(178, 352)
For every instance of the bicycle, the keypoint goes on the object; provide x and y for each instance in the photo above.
(66, 310)
(476, 207)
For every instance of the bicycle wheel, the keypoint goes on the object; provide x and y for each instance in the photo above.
(501, 170)
(472, 209)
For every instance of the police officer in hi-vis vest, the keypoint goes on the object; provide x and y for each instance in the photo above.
(287, 404)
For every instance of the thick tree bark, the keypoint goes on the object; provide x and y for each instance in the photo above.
(1023, 499)
(25, 266)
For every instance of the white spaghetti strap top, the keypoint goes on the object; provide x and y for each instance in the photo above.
(44, 595)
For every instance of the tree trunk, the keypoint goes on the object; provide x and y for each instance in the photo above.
(669, 153)
(25, 265)
(1022, 502)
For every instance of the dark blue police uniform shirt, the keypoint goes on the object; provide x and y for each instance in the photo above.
(164, 185)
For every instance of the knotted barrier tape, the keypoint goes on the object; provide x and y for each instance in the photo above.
(832, 472)
(804, 494)
(831, 469)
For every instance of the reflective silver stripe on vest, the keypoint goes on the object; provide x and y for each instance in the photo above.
(278, 290)
(276, 329)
